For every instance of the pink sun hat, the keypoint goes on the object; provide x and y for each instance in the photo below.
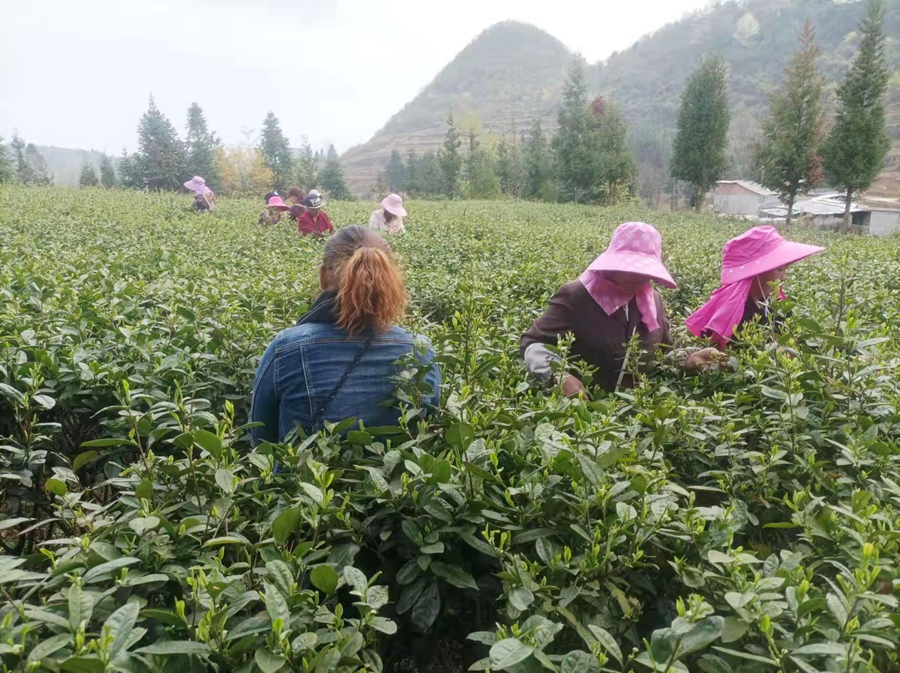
(759, 250)
(197, 185)
(277, 202)
(394, 205)
(635, 247)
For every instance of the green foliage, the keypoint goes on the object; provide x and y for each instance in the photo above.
(743, 520)
(854, 151)
(276, 152)
(539, 183)
(450, 160)
(107, 172)
(699, 149)
(571, 149)
(395, 173)
(479, 176)
(7, 171)
(160, 161)
(88, 176)
(510, 168)
(413, 178)
(201, 146)
(37, 164)
(332, 177)
(307, 167)
(787, 157)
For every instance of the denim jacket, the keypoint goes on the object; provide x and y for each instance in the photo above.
(302, 366)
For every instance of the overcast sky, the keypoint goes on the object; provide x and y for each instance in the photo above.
(77, 73)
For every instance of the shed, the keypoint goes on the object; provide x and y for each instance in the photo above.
(742, 197)
(883, 219)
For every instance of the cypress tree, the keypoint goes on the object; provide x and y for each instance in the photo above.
(702, 129)
(129, 171)
(395, 173)
(431, 175)
(107, 172)
(450, 160)
(201, 147)
(276, 152)
(613, 169)
(538, 165)
(853, 153)
(413, 182)
(88, 176)
(332, 177)
(307, 167)
(24, 172)
(160, 160)
(7, 172)
(40, 172)
(787, 157)
(570, 145)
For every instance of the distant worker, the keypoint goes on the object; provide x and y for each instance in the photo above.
(753, 266)
(204, 199)
(314, 220)
(295, 198)
(612, 301)
(341, 359)
(389, 218)
(273, 211)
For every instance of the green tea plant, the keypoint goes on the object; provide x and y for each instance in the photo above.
(742, 520)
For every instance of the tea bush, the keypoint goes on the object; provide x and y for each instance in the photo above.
(743, 520)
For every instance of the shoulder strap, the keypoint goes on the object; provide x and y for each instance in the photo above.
(320, 409)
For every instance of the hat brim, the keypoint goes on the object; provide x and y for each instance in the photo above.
(280, 207)
(399, 212)
(315, 206)
(633, 263)
(786, 253)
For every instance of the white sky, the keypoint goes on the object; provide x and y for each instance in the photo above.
(77, 73)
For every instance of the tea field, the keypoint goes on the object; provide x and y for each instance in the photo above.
(743, 520)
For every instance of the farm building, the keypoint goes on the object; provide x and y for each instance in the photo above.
(884, 219)
(826, 210)
(742, 197)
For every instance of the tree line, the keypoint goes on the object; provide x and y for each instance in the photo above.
(588, 159)
(165, 161)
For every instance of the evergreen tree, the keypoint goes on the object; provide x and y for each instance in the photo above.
(395, 173)
(612, 167)
(413, 183)
(7, 172)
(160, 160)
(332, 177)
(480, 179)
(431, 176)
(129, 171)
(88, 176)
(538, 165)
(571, 147)
(510, 169)
(24, 172)
(107, 172)
(853, 153)
(307, 167)
(702, 129)
(276, 152)
(450, 160)
(37, 164)
(201, 147)
(787, 156)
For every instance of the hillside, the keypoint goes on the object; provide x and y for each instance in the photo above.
(66, 164)
(513, 72)
(510, 74)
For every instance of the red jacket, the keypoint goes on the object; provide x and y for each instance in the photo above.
(307, 225)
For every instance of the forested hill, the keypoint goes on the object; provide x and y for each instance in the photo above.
(510, 74)
(513, 72)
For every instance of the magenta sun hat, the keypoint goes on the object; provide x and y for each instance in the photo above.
(277, 202)
(635, 247)
(759, 250)
(197, 185)
(394, 205)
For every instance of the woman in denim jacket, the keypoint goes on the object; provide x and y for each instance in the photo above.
(341, 358)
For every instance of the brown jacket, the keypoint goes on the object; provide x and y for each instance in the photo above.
(600, 339)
